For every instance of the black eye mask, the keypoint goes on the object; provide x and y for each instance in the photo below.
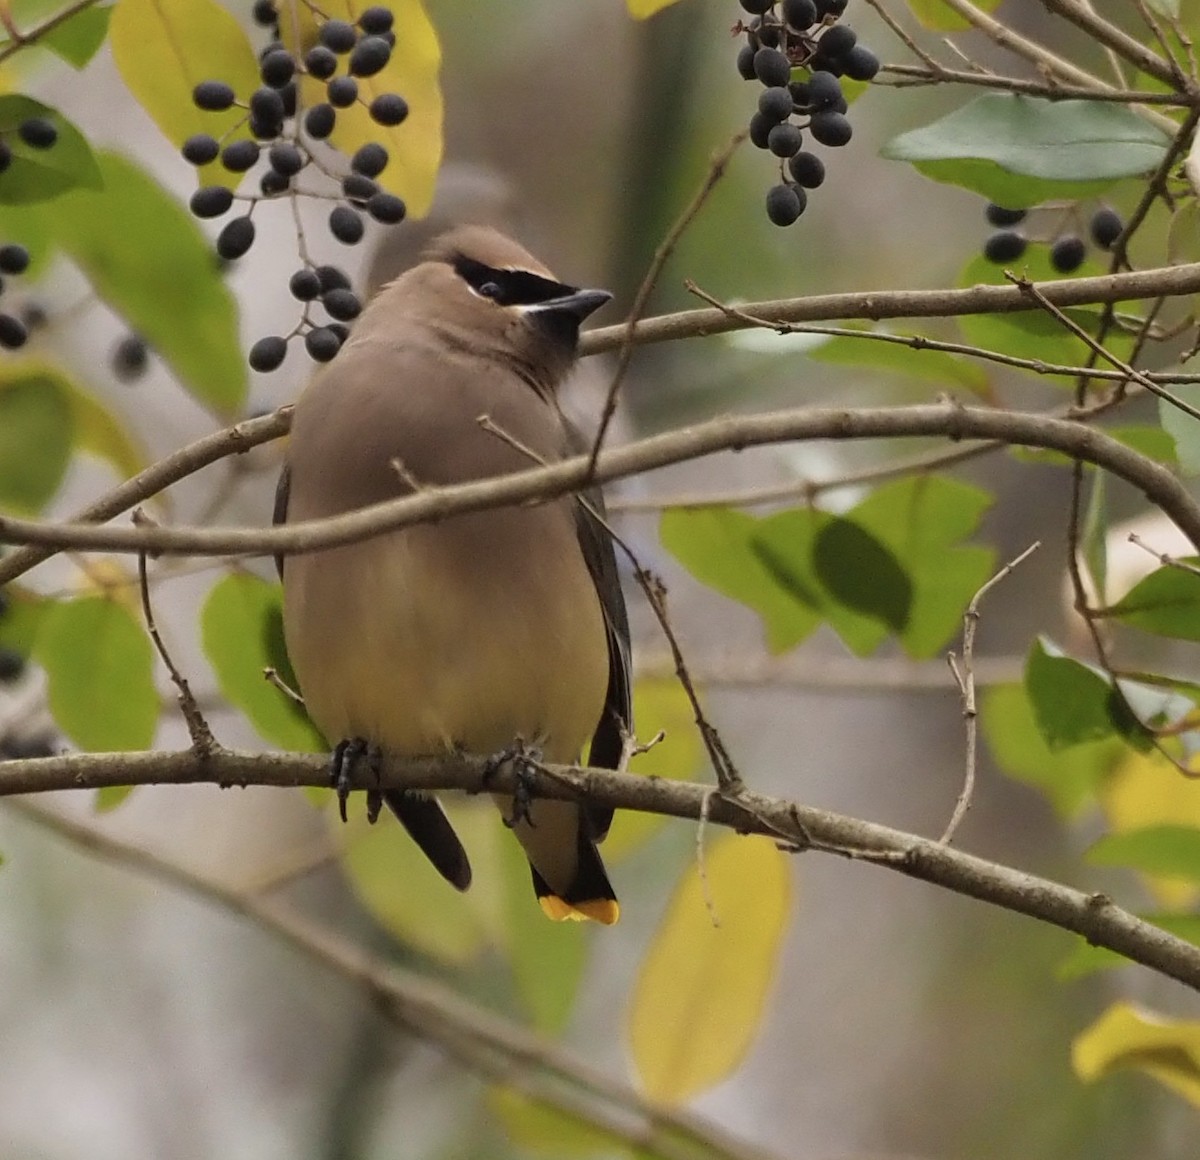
(508, 287)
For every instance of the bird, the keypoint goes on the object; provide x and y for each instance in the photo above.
(487, 630)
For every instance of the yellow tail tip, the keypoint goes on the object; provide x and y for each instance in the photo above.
(602, 910)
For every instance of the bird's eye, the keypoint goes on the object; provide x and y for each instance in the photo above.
(490, 290)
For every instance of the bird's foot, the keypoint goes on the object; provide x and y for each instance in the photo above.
(525, 760)
(346, 755)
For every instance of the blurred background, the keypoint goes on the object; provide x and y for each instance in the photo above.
(906, 1023)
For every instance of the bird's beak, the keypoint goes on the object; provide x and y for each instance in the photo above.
(577, 305)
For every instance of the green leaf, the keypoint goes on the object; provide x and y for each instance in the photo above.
(1019, 151)
(36, 433)
(23, 618)
(1095, 532)
(78, 38)
(859, 572)
(1166, 603)
(164, 50)
(549, 1131)
(99, 432)
(1087, 959)
(715, 545)
(936, 368)
(1073, 702)
(109, 797)
(1034, 334)
(151, 263)
(1165, 851)
(922, 521)
(938, 15)
(100, 672)
(40, 174)
(1068, 777)
(1182, 427)
(1152, 442)
(241, 629)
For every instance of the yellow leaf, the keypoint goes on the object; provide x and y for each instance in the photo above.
(164, 48)
(414, 146)
(1126, 1036)
(1147, 790)
(641, 9)
(658, 703)
(702, 989)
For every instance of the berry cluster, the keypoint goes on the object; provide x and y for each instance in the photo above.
(14, 259)
(283, 135)
(801, 34)
(36, 132)
(1067, 249)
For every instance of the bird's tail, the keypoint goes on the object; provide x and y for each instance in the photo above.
(428, 826)
(590, 894)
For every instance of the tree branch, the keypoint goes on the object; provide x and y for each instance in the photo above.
(732, 432)
(1094, 916)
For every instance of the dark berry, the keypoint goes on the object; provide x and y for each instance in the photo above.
(1067, 254)
(860, 63)
(130, 358)
(800, 14)
(345, 225)
(785, 140)
(997, 215)
(760, 130)
(1004, 246)
(376, 20)
(370, 160)
(340, 331)
(5, 156)
(338, 36)
(12, 665)
(285, 158)
(389, 109)
(273, 183)
(12, 332)
(238, 156)
(320, 62)
(745, 62)
(18, 748)
(264, 13)
(38, 132)
(358, 188)
(277, 68)
(772, 67)
(808, 170)
(267, 353)
(837, 41)
(213, 96)
(785, 203)
(305, 284)
(322, 343)
(757, 7)
(3, 604)
(832, 8)
(830, 128)
(775, 104)
(319, 121)
(342, 305)
(386, 208)
(34, 315)
(768, 34)
(370, 55)
(342, 91)
(266, 107)
(200, 149)
(332, 278)
(211, 201)
(1106, 227)
(14, 259)
(824, 91)
(235, 239)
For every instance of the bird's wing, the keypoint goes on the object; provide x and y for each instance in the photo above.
(279, 515)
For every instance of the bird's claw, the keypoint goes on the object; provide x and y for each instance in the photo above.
(525, 760)
(346, 755)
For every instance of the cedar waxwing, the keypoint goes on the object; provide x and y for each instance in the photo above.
(484, 628)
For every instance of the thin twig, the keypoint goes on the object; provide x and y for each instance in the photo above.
(913, 75)
(965, 678)
(716, 170)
